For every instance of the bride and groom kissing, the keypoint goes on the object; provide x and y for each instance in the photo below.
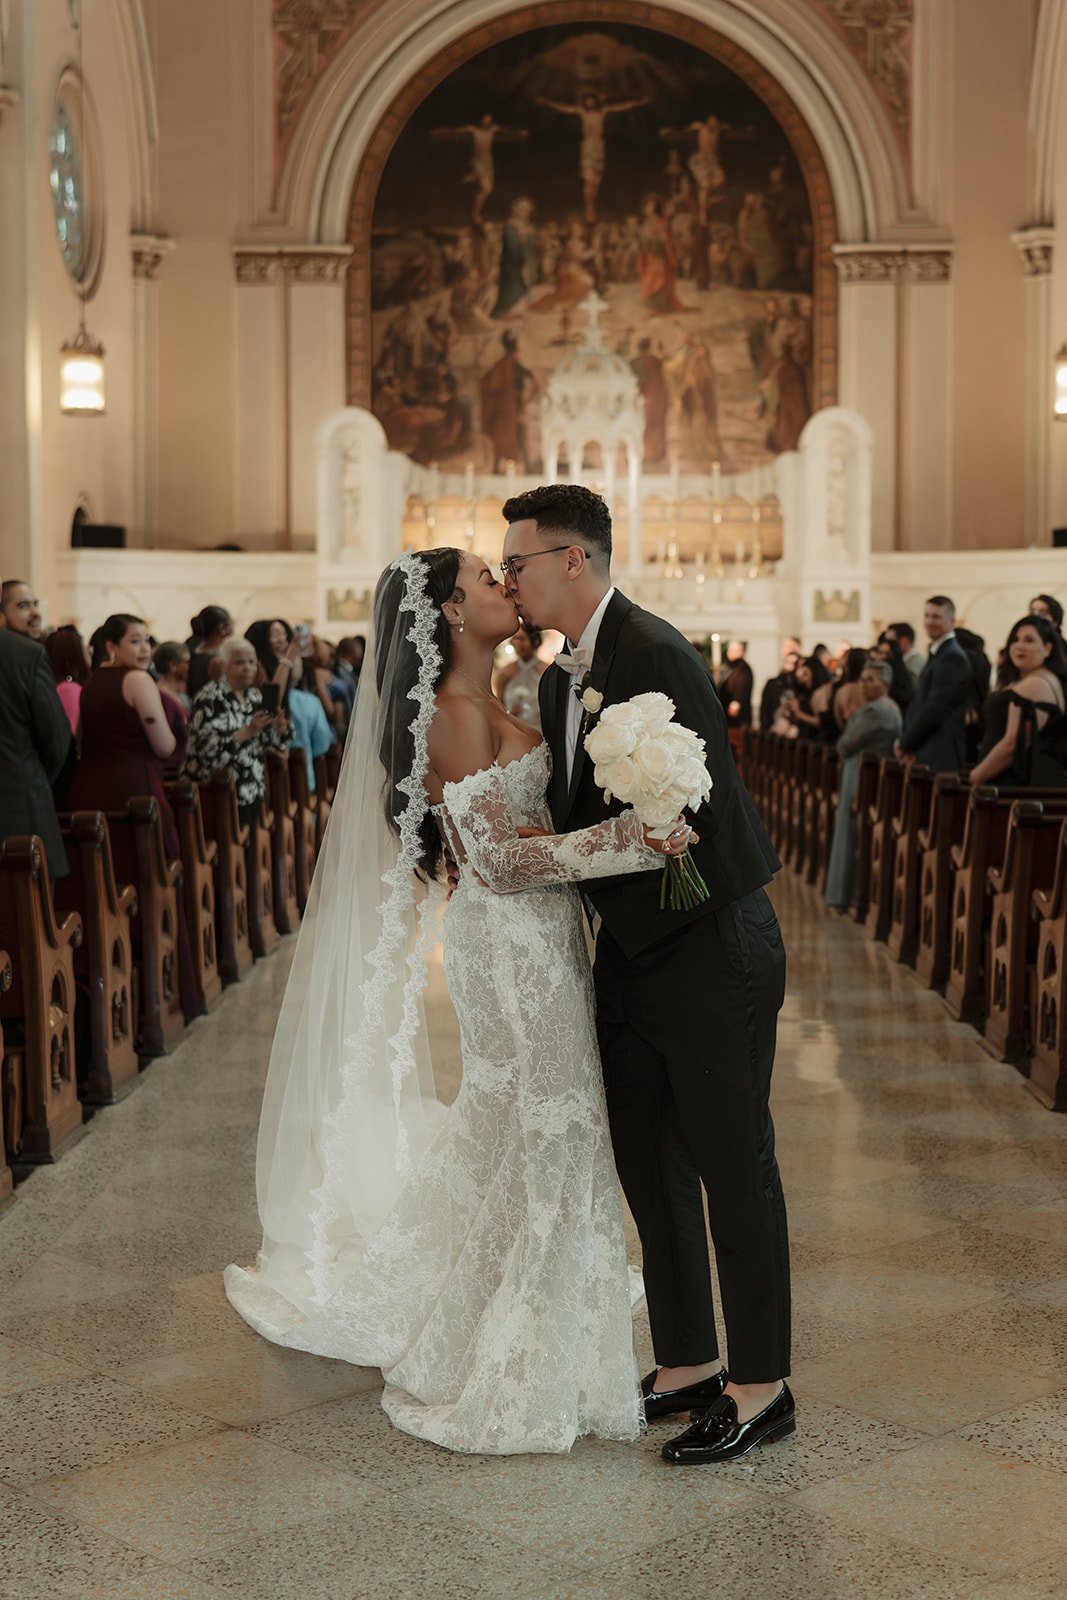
(475, 1253)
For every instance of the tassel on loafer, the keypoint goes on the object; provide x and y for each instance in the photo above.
(719, 1436)
(696, 1397)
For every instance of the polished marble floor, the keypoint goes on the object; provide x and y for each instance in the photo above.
(152, 1448)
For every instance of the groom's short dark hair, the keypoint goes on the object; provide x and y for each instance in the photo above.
(567, 510)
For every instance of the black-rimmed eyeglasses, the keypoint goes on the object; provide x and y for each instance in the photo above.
(511, 571)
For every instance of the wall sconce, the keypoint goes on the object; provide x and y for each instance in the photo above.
(1059, 409)
(81, 376)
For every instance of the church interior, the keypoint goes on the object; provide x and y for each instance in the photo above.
(291, 288)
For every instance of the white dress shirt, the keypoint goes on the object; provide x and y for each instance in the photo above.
(935, 644)
(574, 709)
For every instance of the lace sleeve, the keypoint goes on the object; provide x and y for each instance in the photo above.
(483, 827)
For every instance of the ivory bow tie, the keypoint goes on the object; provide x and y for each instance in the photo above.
(579, 661)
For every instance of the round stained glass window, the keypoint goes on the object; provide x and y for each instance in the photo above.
(74, 184)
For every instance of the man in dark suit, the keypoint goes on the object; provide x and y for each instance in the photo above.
(687, 1001)
(34, 742)
(734, 683)
(934, 728)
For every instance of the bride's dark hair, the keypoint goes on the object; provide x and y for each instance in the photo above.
(398, 659)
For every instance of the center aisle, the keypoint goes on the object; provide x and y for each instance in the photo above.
(153, 1448)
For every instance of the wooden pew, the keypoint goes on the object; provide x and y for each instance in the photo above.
(262, 931)
(803, 780)
(224, 829)
(137, 837)
(787, 763)
(325, 790)
(7, 1183)
(752, 760)
(736, 737)
(984, 839)
(283, 842)
(914, 815)
(883, 814)
(825, 817)
(944, 830)
(307, 805)
(1030, 856)
(103, 962)
(1048, 1065)
(41, 998)
(866, 794)
(199, 861)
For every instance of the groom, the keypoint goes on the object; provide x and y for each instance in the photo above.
(687, 1001)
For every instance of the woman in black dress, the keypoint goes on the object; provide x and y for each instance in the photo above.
(1025, 743)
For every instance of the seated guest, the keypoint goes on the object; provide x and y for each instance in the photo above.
(874, 727)
(20, 609)
(35, 740)
(735, 686)
(904, 634)
(1025, 741)
(126, 739)
(70, 665)
(208, 629)
(312, 731)
(171, 662)
(229, 727)
(277, 654)
(935, 724)
(1045, 605)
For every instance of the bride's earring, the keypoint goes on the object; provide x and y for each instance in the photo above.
(459, 625)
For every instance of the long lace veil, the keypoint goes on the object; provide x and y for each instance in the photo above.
(349, 1105)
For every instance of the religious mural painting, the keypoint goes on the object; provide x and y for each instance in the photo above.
(575, 158)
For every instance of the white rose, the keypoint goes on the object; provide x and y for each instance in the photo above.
(610, 738)
(618, 778)
(657, 763)
(654, 710)
(656, 811)
(592, 700)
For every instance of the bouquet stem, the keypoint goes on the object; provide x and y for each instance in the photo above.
(681, 886)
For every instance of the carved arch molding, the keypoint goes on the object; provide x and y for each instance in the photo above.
(675, 25)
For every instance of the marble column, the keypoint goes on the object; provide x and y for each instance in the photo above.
(869, 277)
(291, 374)
(149, 251)
(1035, 247)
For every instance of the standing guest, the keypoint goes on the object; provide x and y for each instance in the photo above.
(783, 684)
(887, 648)
(735, 686)
(848, 696)
(70, 665)
(810, 676)
(1025, 741)
(208, 629)
(1046, 605)
(312, 730)
(172, 662)
(904, 634)
(229, 727)
(35, 740)
(973, 647)
(935, 726)
(126, 738)
(277, 653)
(875, 727)
(517, 683)
(329, 686)
(350, 652)
(20, 609)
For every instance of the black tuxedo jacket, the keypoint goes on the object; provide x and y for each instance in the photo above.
(34, 741)
(637, 652)
(934, 725)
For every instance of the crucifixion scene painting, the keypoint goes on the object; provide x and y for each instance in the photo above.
(574, 159)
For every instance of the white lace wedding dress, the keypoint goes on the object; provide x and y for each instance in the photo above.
(496, 1297)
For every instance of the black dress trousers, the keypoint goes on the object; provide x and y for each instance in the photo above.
(687, 1036)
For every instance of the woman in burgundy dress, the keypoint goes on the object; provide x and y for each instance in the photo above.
(126, 737)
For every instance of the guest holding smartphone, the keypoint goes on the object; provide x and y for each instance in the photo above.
(233, 725)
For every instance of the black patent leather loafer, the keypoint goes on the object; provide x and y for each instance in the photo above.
(719, 1436)
(697, 1397)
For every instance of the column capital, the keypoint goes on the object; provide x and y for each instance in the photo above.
(291, 263)
(149, 251)
(892, 263)
(1035, 247)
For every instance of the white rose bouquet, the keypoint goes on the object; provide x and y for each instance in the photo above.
(643, 758)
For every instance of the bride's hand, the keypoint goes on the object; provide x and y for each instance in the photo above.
(675, 844)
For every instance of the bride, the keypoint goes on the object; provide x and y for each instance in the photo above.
(475, 1254)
